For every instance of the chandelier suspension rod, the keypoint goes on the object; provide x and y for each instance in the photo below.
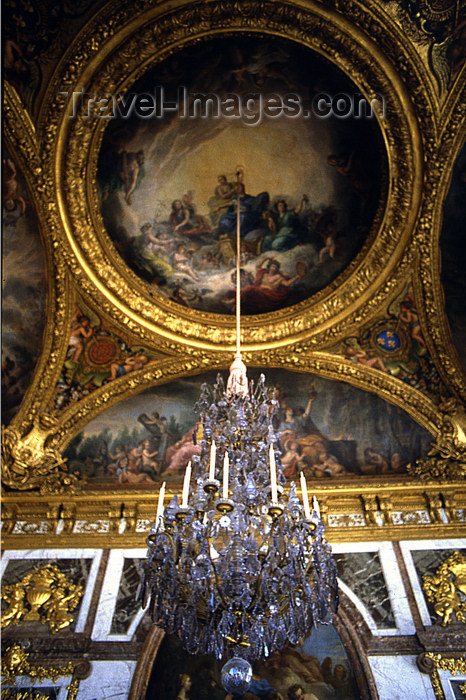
(238, 267)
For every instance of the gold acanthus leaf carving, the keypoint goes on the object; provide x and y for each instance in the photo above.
(43, 595)
(27, 463)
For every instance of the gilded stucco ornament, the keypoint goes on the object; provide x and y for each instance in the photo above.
(446, 460)
(43, 595)
(446, 589)
(15, 663)
(441, 153)
(431, 662)
(28, 463)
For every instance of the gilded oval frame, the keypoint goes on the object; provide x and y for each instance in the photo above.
(130, 51)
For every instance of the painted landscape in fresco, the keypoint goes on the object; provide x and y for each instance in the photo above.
(327, 429)
(308, 187)
(319, 669)
(24, 289)
(454, 255)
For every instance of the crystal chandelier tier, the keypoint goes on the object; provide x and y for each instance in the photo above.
(239, 568)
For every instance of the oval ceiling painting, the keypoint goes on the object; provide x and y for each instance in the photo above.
(261, 122)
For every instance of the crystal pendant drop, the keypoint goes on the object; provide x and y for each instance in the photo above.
(236, 676)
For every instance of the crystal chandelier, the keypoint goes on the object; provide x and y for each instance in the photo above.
(238, 568)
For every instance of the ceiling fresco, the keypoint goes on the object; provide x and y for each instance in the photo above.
(309, 178)
(339, 223)
(118, 305)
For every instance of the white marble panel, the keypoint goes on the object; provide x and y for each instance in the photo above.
(108, 597)
(398, 678)
(393, 582)
(415, 545)
(108, 680)
(47, 554)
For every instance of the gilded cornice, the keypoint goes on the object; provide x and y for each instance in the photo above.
(351, 510)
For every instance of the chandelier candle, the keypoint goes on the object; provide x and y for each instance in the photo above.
(187, 479)
(213, 451)
(273, 475)
(158, 517)
(226, 464)
(307, 512)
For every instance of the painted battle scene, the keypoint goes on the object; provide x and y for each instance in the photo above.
(24, 289)
(327, 429)
(317, 669)
(454, 255)
(308, 187)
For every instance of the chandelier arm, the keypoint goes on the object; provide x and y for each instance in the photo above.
(172, 544)
(217, 582)
(258, 591)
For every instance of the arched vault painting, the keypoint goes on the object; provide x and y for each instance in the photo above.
(310, 187)
(328, 429)
(454, 255)
(316, 669)
(24, 289)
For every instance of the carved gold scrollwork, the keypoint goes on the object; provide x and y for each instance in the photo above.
(430, 663)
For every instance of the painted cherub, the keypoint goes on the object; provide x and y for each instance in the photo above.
(11, 194)
(81, 331)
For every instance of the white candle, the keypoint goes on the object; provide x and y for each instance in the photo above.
(273, 475)
(226, 464)
(187, 479)
(315, 505)
(307, 512)
(160, 503)
(213, 451)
